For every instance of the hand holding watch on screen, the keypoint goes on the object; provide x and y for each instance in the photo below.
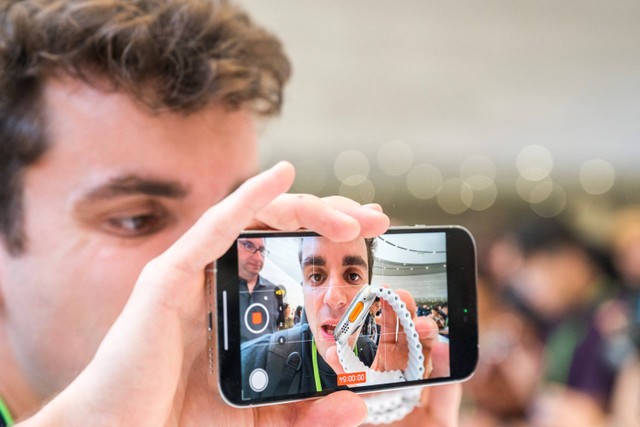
(394, 405)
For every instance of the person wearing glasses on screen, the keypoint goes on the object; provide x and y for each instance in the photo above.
(260, 300)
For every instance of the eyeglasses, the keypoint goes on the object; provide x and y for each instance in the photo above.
(252, 249)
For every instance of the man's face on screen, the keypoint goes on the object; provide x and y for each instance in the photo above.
(333, 273)
(251, 255)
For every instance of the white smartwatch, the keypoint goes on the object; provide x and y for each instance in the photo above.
(391, 405)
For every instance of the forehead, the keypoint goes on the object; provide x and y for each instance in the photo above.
(74, 108)
(323, 247)
(114, 136)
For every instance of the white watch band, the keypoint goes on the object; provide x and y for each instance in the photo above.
(393, 405)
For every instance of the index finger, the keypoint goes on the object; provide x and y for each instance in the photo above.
(337, 218)
(219, 226)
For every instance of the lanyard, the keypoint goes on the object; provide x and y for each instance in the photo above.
(5, 415)
(316, 371)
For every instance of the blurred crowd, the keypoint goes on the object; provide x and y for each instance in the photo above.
(559, 327)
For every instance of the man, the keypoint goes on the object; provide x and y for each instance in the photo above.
(562, 282)
(444, 313)
(370, 327)
(333, 273)
(260, 302)
(288, 317)
(125, 126)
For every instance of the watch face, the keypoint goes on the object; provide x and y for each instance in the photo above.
(286, 300)
(355, 315)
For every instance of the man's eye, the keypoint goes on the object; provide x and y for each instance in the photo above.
(353, 277)
(315, 279)
(134, 226)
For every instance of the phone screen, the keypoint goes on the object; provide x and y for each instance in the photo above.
(281, 295)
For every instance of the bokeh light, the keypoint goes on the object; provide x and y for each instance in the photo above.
(534, 162)
(534, 191)
(395, 158)
(455, 196)
(424, 181)
(597, 176)
(363, 192)
(553, 205)
(484, 192)
(351, 167)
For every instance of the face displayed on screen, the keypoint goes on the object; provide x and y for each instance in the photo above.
(251, 254)
(332, 274)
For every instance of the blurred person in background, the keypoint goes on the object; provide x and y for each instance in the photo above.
(503, 387)
(564, 282)
(544, 346)
(625, 247)
(625, 407)
(622, 317)
(297, 316)
(435, 315)
(444, 313)
(288, 317)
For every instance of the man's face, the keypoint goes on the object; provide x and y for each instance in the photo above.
(251, 254)
(115, 189)
(627, 261)
(333, 273)
(375, 307)
(555, 282)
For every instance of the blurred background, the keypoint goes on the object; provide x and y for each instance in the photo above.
(461, 112)
(520, 121)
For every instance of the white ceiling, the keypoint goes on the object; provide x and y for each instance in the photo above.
(453, 79)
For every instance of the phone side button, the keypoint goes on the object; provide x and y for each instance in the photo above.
(225, 324)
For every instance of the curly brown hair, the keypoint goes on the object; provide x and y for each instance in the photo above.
(177, 55)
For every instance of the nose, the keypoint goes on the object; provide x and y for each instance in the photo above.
(335, 295)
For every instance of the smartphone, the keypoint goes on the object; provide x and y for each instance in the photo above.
(278, 297)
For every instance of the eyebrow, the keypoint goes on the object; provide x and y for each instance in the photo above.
(133, 184)
(353, 260)
(348, 260)
(314, 260)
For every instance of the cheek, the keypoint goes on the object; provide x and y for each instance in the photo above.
(60, 307)
(312, 305)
